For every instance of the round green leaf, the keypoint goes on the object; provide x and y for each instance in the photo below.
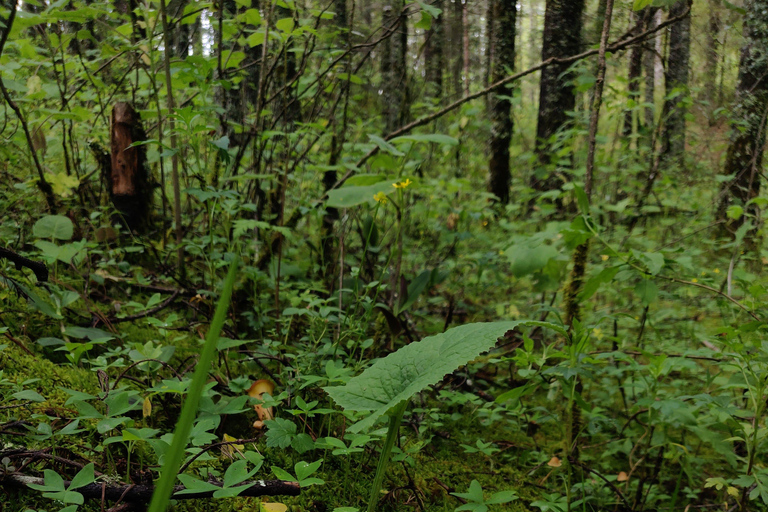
(54, 226)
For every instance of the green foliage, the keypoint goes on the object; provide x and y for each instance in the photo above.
(175, 452)
(665, 371)
(399, 376)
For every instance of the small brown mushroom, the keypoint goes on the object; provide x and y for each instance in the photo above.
(257, 390)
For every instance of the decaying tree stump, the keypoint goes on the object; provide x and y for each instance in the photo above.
(128, 177)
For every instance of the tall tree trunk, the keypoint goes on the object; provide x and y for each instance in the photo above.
(504, 18)
(562, 38)
(712, 53)
(434, 53)
(639, 21)
(489, 24)
(228, 95)
(745, 153)
(649, 69)
(457, 34)
(673, 137)
(597, 27)
(181, 36)
(393, 66)
(465, 45)
(327, 238)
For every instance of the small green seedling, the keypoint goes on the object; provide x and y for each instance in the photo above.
(476, 502)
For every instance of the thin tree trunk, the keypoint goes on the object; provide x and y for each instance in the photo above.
(745, 153)
(562, 38)
(673, 136)
(580, 256)
(504, 19)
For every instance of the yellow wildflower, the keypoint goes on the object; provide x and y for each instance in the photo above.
(716, 271)
(402, 184)
(380, 197)
(604, 257)
(694, 280)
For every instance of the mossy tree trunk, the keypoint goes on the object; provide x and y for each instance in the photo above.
(562, 38)
(504, 18)
(744, 158)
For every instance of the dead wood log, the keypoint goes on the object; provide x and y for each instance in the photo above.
(128, 177)
(143, 493)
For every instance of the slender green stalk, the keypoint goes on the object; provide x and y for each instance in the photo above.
(386, 450)
(189, 410)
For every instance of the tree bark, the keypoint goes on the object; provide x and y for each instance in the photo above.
(455, 61)
(649, 68)
(434, 53)
(673, 135)
(489, 28)
(745, 153)
(712, 53)
(640, 21)
(128, 180)
(504, 18)
(562, 38)
(597, 27)
(465, 45)
(181, 35)
(393, 66)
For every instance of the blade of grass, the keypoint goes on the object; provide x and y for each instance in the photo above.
(162, 494)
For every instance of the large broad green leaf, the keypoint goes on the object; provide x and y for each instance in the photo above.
(347, 197)
(53, 226)
(411, 369)
(526, 259)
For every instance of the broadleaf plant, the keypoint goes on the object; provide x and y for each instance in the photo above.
(402, 374)
(389, 383)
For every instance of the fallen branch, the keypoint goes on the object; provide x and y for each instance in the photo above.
(40, 270)
(143, 493)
